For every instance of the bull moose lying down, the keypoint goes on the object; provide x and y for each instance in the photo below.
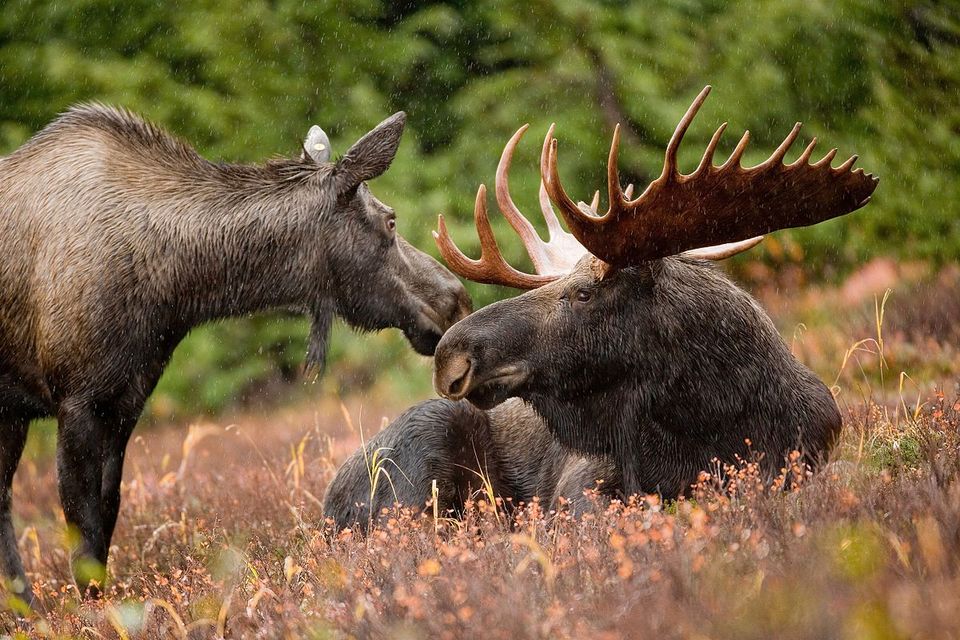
(633, 361)
(116, 239)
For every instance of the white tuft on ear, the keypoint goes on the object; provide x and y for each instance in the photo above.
(317, 145)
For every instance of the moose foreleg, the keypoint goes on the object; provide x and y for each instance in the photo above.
(11, 567)
(79, 467)
(581, 474)
(115, 447)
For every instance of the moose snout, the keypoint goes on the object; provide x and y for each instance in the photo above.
(455, 306)
(441, 297)
(452, 374)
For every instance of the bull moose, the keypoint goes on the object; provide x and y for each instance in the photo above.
(117, 238)
(640, 360)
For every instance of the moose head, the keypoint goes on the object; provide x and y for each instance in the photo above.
(375, 278)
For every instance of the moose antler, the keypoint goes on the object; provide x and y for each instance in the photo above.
(551, 259)
(713, 205)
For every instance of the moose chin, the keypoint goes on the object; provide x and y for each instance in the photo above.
(117, 238)
(631, 360)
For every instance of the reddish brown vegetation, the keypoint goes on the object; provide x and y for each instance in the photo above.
(224, 533)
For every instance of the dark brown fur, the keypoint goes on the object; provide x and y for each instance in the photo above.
(640, 378)
(661, 368)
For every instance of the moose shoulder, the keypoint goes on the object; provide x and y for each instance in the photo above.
(116, 239)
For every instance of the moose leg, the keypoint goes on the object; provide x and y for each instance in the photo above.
(14, 435)
(114, 450)
(580, 474)
(79, 467)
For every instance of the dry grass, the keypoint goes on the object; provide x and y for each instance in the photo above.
(221, 533)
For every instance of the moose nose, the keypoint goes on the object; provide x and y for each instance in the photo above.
(452, 376)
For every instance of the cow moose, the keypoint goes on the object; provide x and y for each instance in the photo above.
(117, 238)
(641, 361)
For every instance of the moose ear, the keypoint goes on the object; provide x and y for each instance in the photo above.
(316, 146)
(371, 155)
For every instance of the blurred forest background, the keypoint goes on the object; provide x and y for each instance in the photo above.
(243, 81)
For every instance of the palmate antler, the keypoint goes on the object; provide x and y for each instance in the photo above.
(688, 214)
(712, 205)
(552, 259)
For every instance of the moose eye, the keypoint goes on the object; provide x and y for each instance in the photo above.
(391, 224)
(584, 295)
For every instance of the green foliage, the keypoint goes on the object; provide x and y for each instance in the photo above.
(244, 80)
(905, 452)
(229, 362)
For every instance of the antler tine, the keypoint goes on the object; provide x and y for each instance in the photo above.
(457, 260)
(614, 191)
(553, 224)
(550, 180)
(805, 156)
(846, 165)
(528, 234)
(670, 157)
(777, 156)
(491, 268)
(581, 224)
(706, 162)
(734, 159)
(724, 251)
(595, 203)
(825, 160)
(563, 249)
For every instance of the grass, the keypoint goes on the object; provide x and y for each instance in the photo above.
(221, 532)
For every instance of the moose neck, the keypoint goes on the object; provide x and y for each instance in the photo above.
(595, 424)
(237, 240)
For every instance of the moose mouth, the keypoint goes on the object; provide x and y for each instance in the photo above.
(429, 326)
(486, 391)
(424, 341)
(425, 332)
